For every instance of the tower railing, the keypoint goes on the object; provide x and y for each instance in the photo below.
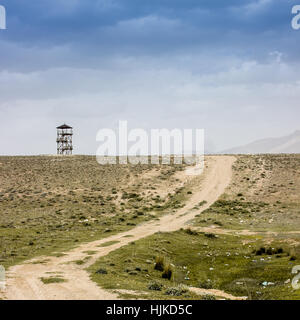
(64, 140)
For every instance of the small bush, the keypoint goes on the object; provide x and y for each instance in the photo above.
(101, 271)
(263, 250)
(218, 223)
(159, 263)
(208, 297)
(269, 251)
(279, 251)
(210, 235)
(191, 232)
(176, 291)
(168, 271)
(205, 284)
(155, 286)
(52, 280)
(260, 251)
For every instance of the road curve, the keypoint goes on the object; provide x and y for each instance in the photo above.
(23, 281)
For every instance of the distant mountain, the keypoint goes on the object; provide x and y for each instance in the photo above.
(286, 144)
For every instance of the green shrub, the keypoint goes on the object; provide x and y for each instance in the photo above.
(176, 291)
(210, 235)
(206, 284)
(159, 263)
(218, 223)
(269, 251)
(52, 280)
(191, 232)
(260, 251)
(155, 286)
(279, 251)
(208, 297)
(101, 271)
(168, 271)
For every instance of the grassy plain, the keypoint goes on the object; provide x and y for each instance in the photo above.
(49, 204)
(245, 244)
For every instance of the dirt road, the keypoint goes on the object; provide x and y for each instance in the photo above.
(24, 280)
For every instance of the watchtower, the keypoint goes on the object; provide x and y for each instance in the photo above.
(64, 140)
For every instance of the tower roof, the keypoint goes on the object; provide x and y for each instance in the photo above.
(64, 126)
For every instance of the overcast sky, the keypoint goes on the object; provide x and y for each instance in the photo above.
(231, 67)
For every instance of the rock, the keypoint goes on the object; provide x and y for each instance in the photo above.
(266, 283)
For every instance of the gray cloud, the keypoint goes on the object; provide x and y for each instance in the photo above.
(229, 67)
